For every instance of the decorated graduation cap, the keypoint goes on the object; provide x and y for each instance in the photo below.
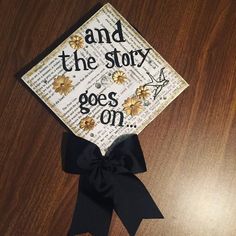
(106, 84)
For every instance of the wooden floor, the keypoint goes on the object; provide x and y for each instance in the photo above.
(190, 148)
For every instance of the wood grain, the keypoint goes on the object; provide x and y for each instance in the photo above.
(189, 148)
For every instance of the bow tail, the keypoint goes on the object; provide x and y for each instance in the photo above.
(132, 202)
(92, 212)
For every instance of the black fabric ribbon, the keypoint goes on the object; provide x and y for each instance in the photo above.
(106, 183)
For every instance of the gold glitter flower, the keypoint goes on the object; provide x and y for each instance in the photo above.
(119, 77)
(132, 106)
(87, 123)
(76, 42)
(62, 85)
(142, 92)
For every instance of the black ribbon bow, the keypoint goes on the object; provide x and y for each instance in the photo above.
(106, 183)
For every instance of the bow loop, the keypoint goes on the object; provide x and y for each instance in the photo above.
(127, 148)
(78, 154)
